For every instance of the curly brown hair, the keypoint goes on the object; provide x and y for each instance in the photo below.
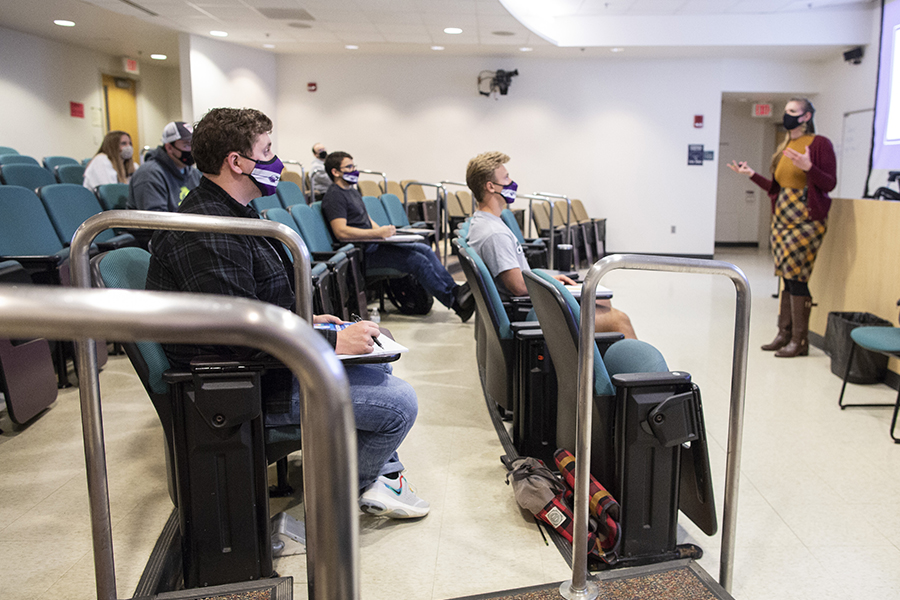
(481, 170)
(225, 130)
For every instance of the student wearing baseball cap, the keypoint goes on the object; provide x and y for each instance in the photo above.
(166, 176)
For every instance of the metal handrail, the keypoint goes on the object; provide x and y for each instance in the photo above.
(568, 212)
(146, 219)
(551, 261)
(85, 350)
(328, 427)
(302, 180)
(578, 586)
(383, 176)
(465, 185)
(441, 199)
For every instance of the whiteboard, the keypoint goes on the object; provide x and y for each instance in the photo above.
(853, 162)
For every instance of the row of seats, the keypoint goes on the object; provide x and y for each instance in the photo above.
(33, 176)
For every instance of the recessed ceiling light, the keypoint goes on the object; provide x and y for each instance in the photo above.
(268, 45)
(502, 33)
(617, 49)
(437, 47)
(158, 56)
(526, 49)
(64, 23)
(218, 33)
(351, 47)
(453, 30)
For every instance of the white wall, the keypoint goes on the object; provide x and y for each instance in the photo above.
(846, 88)
(38, 79)
(228, 75)
(611, 132)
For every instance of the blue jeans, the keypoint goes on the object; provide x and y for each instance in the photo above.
(418, 260)
(385, 408)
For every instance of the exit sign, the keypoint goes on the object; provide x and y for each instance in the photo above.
(762, 110)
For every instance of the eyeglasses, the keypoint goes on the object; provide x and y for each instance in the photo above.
(351, 167)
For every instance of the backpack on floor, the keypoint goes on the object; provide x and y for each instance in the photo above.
(408, 295)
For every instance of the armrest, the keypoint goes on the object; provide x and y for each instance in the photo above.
(517, 326)
(637, 380)
(529, 334)
(41, 263)
(606, 339)
(122, 240)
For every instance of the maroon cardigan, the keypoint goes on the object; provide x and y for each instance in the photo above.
(820, 179)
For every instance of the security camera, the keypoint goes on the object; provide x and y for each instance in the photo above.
(854, 56)
(498, 81)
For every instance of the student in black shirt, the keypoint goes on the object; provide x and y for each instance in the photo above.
(346, 213)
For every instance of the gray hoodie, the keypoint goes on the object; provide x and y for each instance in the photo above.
(161, 185)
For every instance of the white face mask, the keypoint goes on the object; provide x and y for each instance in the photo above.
(127, 152)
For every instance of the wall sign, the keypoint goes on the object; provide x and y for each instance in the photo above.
(762, 110)
(695, 154)
(76, 109)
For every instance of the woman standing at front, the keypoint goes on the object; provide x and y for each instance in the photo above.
(803, 172)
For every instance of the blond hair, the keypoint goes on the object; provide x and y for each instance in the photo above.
(481, 170)
(808, 127)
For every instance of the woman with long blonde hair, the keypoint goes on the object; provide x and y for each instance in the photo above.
(113, 162)
(803, 171)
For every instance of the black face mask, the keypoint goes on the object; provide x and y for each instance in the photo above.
(791, 122)
(186, 157)
(322, 154)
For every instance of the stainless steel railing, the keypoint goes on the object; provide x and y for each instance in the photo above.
(383, 178)
(551, 260)
(579, 587)
(568, 212)
(440, 225)
(86, 358)
(328, 427)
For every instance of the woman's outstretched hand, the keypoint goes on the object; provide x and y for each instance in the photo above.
(741, 167)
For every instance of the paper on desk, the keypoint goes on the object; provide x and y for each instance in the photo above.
(602, 292)
(390, 348)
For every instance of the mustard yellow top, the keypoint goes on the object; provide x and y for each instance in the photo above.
(786, 174)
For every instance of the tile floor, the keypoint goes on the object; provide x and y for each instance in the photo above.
(818, 516)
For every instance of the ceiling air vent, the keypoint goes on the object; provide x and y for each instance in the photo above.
(286, 14)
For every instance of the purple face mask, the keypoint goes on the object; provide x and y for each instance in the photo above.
(266, 174)
(509, 192)
(352, 177)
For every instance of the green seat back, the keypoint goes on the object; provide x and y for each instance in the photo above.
(113, 196)
(69, 205)
(25, 229)
(26, 175)
(70, 174)
(395, 211)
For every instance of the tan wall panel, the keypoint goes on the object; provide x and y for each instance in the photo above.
(858, 267)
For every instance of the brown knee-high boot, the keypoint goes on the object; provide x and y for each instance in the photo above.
(784, 324)
(799, 344)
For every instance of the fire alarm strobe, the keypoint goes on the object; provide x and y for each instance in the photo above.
(311, 86)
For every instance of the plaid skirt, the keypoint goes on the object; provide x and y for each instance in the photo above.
(795, 239)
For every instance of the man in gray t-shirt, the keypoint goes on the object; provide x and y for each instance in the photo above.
(497, 246)
(494, 189)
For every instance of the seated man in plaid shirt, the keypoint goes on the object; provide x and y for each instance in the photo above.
(233, 150)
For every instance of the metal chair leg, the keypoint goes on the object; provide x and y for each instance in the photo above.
(894, 420)
(847, 374)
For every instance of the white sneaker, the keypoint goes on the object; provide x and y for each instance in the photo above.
(392, 498)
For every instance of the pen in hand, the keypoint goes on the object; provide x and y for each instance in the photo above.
(356, 319)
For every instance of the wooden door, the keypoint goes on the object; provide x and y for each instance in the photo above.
(120, 99)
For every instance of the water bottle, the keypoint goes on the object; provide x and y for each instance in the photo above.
(374, 316)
